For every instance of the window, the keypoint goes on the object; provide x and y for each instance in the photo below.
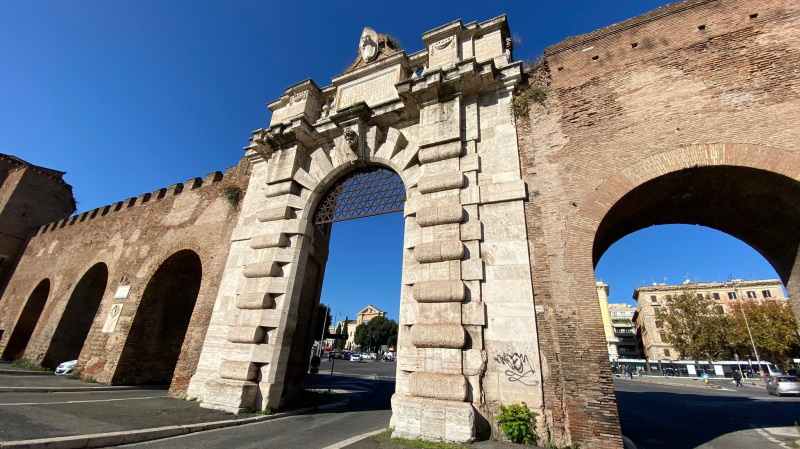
(699, 296)
(669, 297)
(766, 293)
(751, 295)
(731, 295)
(716, 296)
(666, 353)
(653, 298)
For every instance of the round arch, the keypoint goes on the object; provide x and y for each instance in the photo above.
(156, 337)
(77, 317)
(323, 187)
(747, 191)
(26, 323)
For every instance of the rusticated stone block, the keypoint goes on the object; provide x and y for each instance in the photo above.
(274, 213)
(438, 336)
(442, 214)
(246, 334)
(255, 301)
(439, 152)
(439, 251)
(439, 291)
(281, 188)
(237, 370)
(261, 270)
(268, 241)
(283, 164)
(448, 387)
(413, 417)
(440, 182)
(233, 396)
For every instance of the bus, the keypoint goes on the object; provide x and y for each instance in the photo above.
(696, 368)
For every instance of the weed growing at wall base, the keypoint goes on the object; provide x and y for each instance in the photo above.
(28, 365)
(517, 423)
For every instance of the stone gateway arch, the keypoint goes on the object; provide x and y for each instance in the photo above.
(513, 182)
(467, 322)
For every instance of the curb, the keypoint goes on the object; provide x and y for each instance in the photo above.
(13, 372)
(138, 436)
(65, 389)
(141, 435)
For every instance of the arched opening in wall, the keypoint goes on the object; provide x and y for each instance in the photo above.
(359, 285)
(154, 342)
(742, 255)
(27, 321)
(77, 318)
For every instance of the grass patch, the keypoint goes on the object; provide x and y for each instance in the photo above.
(78, 375)
(385, 438)
(28, 365)
(266, 412)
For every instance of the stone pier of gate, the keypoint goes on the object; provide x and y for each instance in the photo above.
(440, 120)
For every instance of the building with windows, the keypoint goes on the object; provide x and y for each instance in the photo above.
(611, 341)
(624, 331)
(618, 326)
(369, 313)
(725, 295)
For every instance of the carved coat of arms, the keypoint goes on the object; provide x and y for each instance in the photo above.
(368, 45)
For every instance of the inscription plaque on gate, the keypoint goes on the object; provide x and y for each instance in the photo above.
(372, 89)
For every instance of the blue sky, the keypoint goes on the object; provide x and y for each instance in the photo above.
(129, 97)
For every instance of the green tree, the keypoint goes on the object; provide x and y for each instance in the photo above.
(376, 332)
(345, 330)
(774, 330)
(696, 327)
(338, 344)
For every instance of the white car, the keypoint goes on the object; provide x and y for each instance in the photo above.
(355, 357)
(66, 367)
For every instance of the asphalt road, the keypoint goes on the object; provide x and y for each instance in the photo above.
(311, 431)
(656, 416)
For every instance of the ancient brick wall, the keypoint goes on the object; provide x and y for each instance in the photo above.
(132, 239)
(688, 114)
(30, 196)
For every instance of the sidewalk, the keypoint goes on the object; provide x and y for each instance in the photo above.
(69, 423)
(696, 381)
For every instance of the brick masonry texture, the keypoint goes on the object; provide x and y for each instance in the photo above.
(687, 114)
(132, 239)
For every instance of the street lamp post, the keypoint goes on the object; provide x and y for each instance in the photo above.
(747, 324)
(322, 335)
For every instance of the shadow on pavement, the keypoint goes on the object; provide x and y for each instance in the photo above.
(690, 420)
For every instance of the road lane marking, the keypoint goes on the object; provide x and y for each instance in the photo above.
(766, 435)
(80, 402)
(352, 440)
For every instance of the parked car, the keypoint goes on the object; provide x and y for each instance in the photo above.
(781, 385)
(355, 357)
(66, 367)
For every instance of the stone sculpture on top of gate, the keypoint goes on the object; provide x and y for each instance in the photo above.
(439, 119)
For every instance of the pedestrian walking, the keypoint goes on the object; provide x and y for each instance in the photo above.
(738, 379)
(630, 373)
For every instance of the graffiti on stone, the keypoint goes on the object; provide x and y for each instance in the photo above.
(518, 368)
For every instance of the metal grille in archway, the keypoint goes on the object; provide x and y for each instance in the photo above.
(362, 193)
